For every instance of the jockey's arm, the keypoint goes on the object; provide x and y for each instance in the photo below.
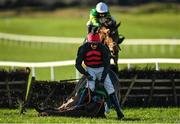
(79, 61)
(106, 61)
(93, 19)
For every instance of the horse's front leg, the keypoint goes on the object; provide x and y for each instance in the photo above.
(116, 55)
(115, 58)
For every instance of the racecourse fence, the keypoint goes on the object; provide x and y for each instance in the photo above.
(164, 47)
(136, 88)
(154, 88)
(50, 93)
(51, 39)
(51, 65)
(148, 87)
(13, 87)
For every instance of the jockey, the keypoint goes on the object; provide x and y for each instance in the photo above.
(100, 16)
(97, 14)
(95, 56)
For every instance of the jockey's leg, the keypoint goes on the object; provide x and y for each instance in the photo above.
(89, 28)
(90, 86)
(92, 29)
(115, 102)
(113, 98)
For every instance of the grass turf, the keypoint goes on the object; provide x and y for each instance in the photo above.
(132, 115)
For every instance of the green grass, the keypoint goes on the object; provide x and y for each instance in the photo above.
(45, 52)
(150, 26)
(43, 26)
(132, 115)
(142, 22)
(40, 52)
(36, 52)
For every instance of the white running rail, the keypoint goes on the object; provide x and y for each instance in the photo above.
(155, 61)
(50, 39)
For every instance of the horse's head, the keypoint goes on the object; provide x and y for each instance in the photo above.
(106, 39)
(104, 31)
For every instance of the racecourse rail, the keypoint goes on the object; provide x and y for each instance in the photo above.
(51, 65)
(51, 39)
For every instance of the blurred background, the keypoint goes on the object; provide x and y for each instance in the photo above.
(53, 4)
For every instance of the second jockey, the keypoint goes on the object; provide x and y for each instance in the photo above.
(99, 17)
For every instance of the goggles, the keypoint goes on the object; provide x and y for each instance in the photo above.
(102, 14)
(94, 44)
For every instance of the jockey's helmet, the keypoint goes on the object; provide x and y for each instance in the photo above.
(93, 38)
(102, 8)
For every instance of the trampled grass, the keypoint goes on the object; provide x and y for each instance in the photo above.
(132, 115)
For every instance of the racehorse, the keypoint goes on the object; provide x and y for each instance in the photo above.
(111, 38)
(110, 43)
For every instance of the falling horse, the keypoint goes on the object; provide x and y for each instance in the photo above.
(92, 106)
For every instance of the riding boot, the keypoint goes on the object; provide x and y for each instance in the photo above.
(115, 102)
(89, 29)
(82, 97)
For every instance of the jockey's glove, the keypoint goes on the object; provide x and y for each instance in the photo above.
(88, 76)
